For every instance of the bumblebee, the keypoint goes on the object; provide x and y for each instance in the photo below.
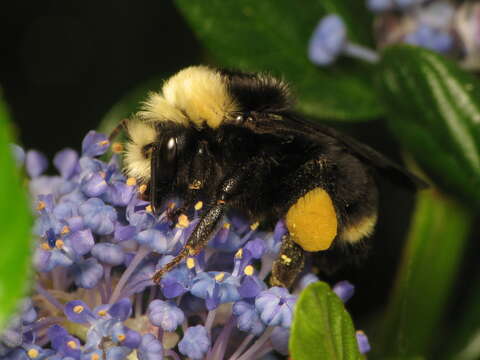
(233, 141)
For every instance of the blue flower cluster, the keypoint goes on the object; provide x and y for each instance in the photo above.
(98, 247)
(443, 26)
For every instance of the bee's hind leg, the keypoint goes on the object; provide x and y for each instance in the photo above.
(289, 263)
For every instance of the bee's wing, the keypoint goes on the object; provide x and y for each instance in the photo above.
(296, 126)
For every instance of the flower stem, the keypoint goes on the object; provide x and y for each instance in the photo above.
(209, 321)
(218, 350)
(172, 354)
(361, 52)
(242, 346)
(249, 354)
(139, 256)
(49, 297)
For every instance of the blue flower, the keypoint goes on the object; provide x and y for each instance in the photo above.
(327, 41)
(275, 306)
(87, 273)
(150, 348)
(344, 290)
(165, 314)
(98, 216)
(216, 288)
(362, 341)
(94, 144)
(431, 38)
(155, 240)
(66, 162)
(108, 253)
(195, 342)
(248, 319)
(35, 163)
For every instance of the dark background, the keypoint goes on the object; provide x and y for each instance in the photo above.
(63, 65)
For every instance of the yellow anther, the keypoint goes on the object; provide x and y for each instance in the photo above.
(117, 147)
(121, 337)
(254, 226)
(226, 226)
(149, 209)
(249, 270)
(32, 353)
(239, 254)
(190, 263)
(72, 344)
(41, 205)
(45, 246)
(103, 174)
(65, 230)
(102, 313)
(220, 276)
(286, 259)
(103, 142)
(183, 221)
(131, 181)
(95, 357)
(142, 188)
(59, 243)
(198, 205)
(78, 309)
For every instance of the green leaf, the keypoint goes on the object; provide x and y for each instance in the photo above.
(273, 36)
(435, 245)
(433, 108)
(15, 225)
(322, 328)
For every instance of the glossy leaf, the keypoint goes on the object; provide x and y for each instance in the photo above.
(15, 224)
(273, 36)
(437, 238)
(433, 108)
(322, 328)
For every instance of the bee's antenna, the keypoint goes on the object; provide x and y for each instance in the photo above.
(121, 126)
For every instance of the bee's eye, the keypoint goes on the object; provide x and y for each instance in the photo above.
(147, 150)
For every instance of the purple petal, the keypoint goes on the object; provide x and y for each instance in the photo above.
(35, 163)
(94, 144)
(328, 40)
(109, 253)
(94, 185)
(57, 335)
(66, 162)
(88, 273)
(123, 233)
(362, 341)
(98, 216)
(132, 338)
(120, 194)
(155, 240)
(165, 315)
(150, 348)
(121, 309)
(256, 247)
(78, 312)
(344, 290)
(195, 342)
(251, 287)
(82, 241)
